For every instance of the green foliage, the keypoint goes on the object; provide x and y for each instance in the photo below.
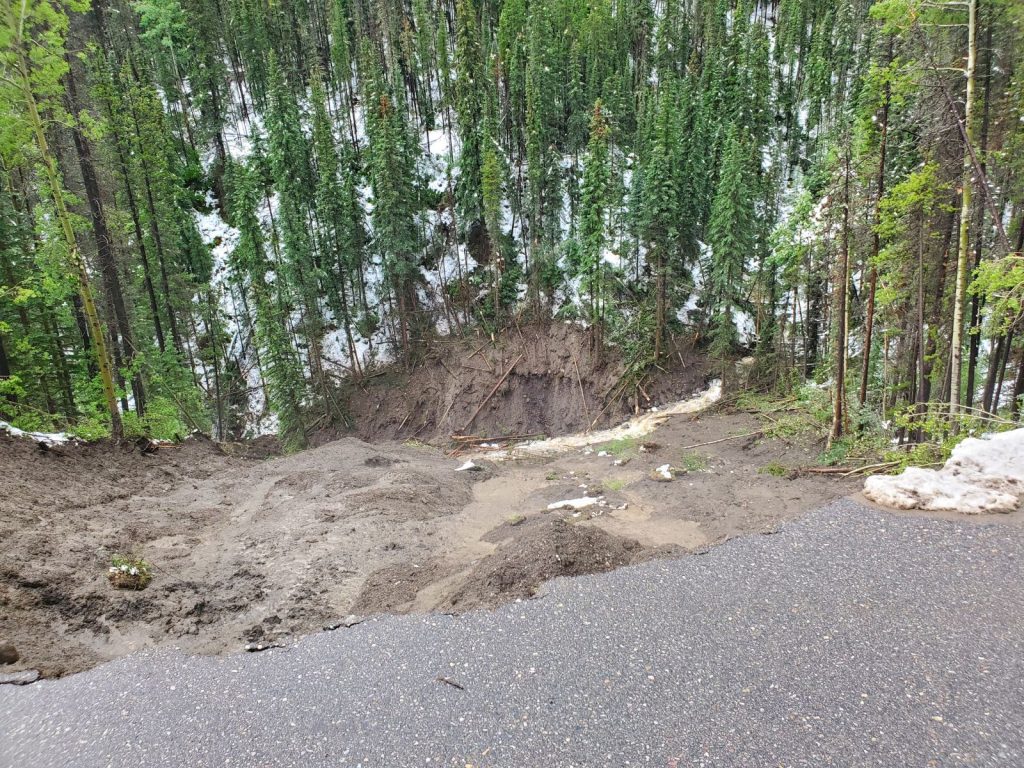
(694, 462)
(601, 162)
(774, 468)
(129, 572)
(624, 447)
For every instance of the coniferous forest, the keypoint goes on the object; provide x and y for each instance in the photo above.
(214, 212)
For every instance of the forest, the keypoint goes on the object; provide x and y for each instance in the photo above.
(217, 214)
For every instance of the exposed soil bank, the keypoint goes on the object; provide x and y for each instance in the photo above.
(249, 551)
(541, 380)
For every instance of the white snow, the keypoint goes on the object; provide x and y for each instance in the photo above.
(467, 466)
(636, 427)
(982, 475)
(665, 470)
(50, 438)
(581, 503)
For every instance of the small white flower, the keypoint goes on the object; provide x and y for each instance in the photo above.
(133, 571)
(124, 569)
(113, 569)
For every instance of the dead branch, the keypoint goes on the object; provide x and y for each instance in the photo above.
(491, 393)
(722, 440)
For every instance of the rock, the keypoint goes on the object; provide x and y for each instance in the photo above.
(663, 474)
(24, 677)
(257, 647)
(469, 466)
(349, 621)
(8, 653)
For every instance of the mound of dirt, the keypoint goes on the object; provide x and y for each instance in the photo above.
(76, 475)
(393, 589)
(542, 380)
(540, 550)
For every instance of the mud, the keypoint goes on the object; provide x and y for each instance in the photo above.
(247, 550)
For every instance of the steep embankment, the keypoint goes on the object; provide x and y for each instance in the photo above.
(541, 380)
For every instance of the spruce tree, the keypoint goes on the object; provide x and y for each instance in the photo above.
(731, 237)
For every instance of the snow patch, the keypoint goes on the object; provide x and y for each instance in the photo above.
(982, 475)
(50, 438)
(636, 427)
(581, 503)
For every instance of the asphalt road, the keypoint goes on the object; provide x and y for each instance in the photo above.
(850, 638)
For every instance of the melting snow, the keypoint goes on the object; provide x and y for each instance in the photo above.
(580, 503)
(50, 438)
(636, 427)
(982, 475)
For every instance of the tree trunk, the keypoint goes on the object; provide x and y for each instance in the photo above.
(5, 370)
(994, 364)
(977, 301)
(104, 242)
(99, 346)
(841, 312)
(956, 338)
(869, 311)
(1018, 386)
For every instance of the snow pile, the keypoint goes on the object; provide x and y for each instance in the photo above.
(581, 503)
(982, 475)
(50, 438)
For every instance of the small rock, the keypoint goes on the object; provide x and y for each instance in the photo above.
(257, 647)
(8, 653)
(469, 466)
(663, 474)
(348, 622)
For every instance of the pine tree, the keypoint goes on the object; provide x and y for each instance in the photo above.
(731, 237)
(593, 219)
(36, 34)
(281, 368)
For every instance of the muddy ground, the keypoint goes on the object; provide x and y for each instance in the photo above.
(260, 551)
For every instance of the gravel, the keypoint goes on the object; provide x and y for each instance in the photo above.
(850, 638)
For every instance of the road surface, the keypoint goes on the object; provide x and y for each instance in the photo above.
(850, 638)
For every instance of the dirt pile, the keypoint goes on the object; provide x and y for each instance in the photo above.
(76, 475)
(542, 380)
(545, 548)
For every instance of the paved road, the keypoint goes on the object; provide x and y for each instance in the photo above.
(851, 638)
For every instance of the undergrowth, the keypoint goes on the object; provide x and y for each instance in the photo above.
(621, 448)
(694, 462)
(908, 437)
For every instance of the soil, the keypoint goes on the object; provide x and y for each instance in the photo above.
(249, 549)
(556, 384)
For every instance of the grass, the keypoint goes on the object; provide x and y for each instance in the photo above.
(774, 468)
(621, 448)
(694, 462)
(613, 483)
(516, 519)
(551, 476)
(805, 413)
